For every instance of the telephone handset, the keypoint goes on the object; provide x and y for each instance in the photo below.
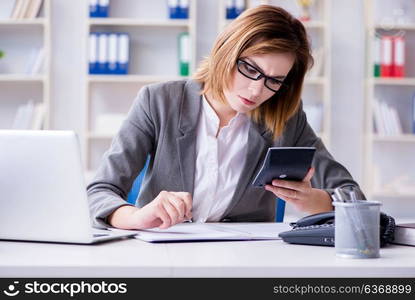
(318, 229)
(316, 219)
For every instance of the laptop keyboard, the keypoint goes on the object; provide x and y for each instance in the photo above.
(102, 233)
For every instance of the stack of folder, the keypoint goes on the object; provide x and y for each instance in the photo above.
(108, 53)
(178, 9)
(98, 8)
(234, 8)
(25, 9)
(389, 56)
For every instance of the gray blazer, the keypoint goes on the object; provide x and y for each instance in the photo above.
(162, 122)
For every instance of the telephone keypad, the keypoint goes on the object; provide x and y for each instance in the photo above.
(313, 227)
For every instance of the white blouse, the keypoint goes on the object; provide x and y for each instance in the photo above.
(219, 163)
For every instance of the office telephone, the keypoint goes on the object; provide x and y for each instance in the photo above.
(318, 229)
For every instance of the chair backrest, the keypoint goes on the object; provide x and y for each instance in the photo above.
(279, 210)
(135, 190)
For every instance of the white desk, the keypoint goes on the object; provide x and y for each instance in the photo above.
(135, 258)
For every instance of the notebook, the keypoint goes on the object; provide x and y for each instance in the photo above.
(195, 231)
(43, 189)
(405, 234)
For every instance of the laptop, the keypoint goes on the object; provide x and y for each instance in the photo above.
(43, 192)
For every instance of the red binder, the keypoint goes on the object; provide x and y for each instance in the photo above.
(398, 56)
(386, 67)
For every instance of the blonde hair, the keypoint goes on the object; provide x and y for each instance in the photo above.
(261, 30)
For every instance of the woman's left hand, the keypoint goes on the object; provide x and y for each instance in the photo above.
(301, 194)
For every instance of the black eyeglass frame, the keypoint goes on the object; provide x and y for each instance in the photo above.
(261, 75)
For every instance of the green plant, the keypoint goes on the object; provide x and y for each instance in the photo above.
(1, 54)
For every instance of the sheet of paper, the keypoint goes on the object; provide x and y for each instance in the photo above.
(256, 230)
(213, 231)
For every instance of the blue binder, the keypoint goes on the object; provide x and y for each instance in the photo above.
(112, 53)
(102, 53)
(103, 8)
(183, 9)
(230, 10)
(93, 8)
(99, 8)
(93, 51)
(173, 7)
(234, 8)
(178, 9)
(239, 7)
(123, 55)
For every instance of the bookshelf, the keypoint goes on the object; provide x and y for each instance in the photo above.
(316, 94)
(153, 55)
(21, 40)
(388, 157)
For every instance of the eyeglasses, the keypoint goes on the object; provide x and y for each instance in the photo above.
(253, 73)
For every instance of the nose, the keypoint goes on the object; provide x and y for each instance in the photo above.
(256, 87)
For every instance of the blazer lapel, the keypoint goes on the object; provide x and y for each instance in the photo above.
(259, 139)
(186, 141)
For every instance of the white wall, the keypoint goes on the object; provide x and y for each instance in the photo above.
(347, 90)
(69, 64)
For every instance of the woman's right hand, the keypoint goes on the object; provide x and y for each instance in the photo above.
(167, 209)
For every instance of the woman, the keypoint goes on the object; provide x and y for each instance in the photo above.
(207, 137)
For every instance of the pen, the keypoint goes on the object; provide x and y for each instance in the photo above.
(353, 195)
(355, 214)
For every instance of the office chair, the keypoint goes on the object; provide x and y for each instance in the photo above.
(135, 190)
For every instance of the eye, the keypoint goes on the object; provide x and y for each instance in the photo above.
(274, 83)
(250, 69)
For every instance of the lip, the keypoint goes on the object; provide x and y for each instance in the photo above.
(246, 101)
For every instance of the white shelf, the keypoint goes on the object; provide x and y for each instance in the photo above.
(150, 34)
(408, 81)
(391, 26)
(132, 78)
(404, 138)
(137, 22)
(386, 155)
(21, 40)
(22, 77)
(35, 21)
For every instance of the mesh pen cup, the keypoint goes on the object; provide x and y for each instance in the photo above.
(357, 229)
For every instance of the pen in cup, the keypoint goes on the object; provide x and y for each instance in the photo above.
(354, 214)
(353, 195)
